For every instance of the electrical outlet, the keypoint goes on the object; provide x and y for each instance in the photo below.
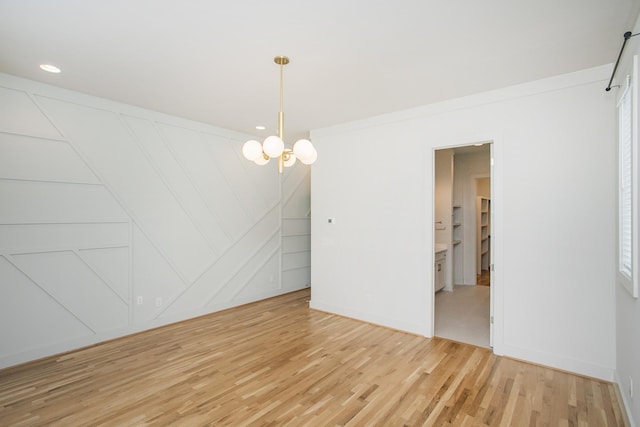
(158, 301)
(139, 300)
(630, 387)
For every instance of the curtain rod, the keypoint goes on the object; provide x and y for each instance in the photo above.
(627, 36)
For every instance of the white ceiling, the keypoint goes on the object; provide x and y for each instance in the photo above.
(212, 61)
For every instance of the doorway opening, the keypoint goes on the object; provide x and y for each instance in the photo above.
(462, 243)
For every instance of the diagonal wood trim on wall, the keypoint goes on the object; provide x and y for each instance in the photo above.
(117, 219)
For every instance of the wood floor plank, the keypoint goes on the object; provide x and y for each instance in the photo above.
(278, 363)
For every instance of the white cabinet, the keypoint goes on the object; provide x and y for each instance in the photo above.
(439, 270)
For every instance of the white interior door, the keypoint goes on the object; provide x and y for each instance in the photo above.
(491, 254)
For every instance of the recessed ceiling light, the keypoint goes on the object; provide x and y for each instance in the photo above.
(260, 127)
(50, 68)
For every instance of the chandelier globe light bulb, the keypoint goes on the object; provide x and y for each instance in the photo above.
(262, 160)
(252, 150)
(273, 146)
(303, 149)
(310, 159)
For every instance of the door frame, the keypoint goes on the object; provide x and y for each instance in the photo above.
(496, 306)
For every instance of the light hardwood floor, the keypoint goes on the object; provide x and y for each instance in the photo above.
(278, 363)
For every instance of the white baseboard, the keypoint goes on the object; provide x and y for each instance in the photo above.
(75, 344)
(579, 367)
(369, 318)
(626, 405)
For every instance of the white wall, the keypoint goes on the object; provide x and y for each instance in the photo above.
(484, 187)
(627, 307)
(104, 204)
(443, 193)
(443, 198)
(296, 227)
(554, 230)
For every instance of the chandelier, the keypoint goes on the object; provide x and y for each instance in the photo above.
(273, 146)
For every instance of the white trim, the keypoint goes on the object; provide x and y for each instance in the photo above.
(635, 193)
(495, 173)
(551, 84)
(45, 90)
(630, 282)
(626, 90)
(625, 401)
(573, 365)
(362, 316)
(100, 337)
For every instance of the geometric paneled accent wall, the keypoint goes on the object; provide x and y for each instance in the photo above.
(115, 219)
(296, 227)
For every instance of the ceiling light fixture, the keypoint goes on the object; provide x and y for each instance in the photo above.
(50, 68)
(273, 146)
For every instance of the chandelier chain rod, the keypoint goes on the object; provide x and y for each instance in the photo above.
(281, 86)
